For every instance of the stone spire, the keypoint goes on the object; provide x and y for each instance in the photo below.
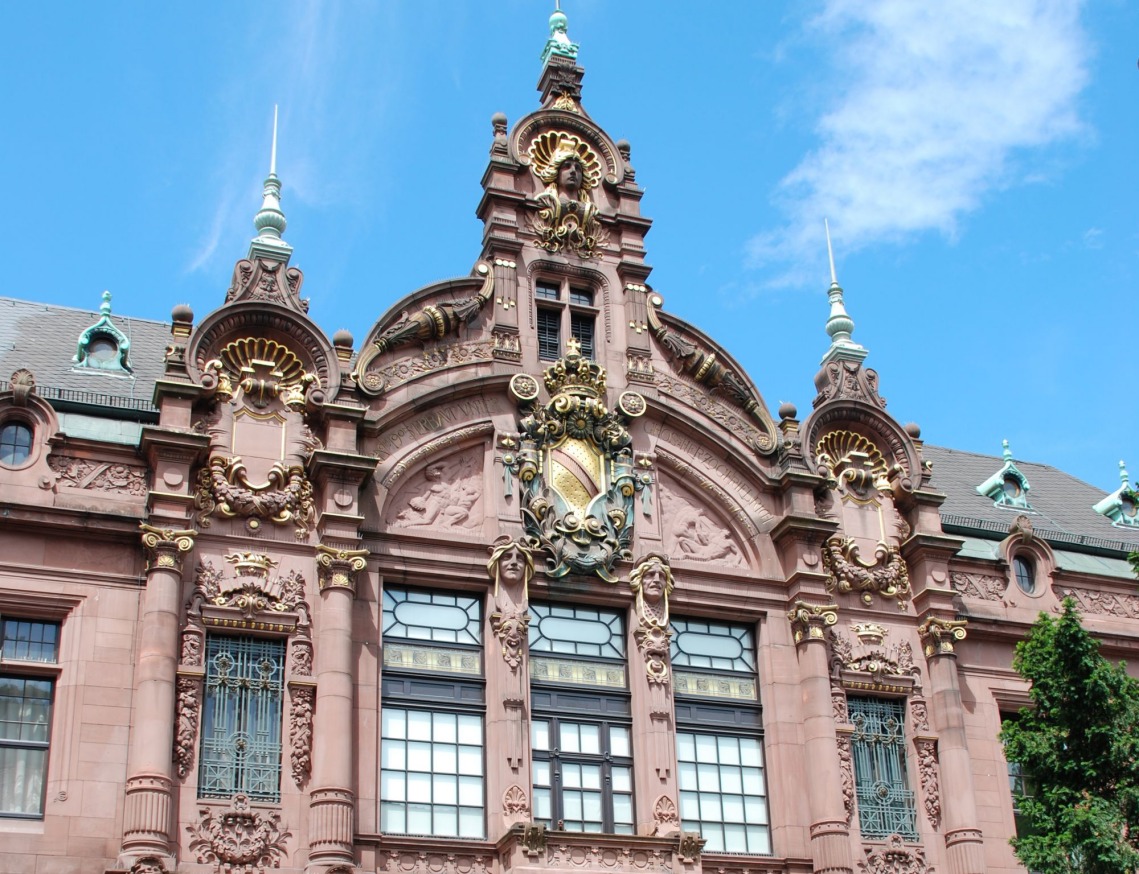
(839, 324)
(270, 220)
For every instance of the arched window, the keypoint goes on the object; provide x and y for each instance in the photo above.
(1025, 574)
(15, 443)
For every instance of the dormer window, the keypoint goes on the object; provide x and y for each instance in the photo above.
(1008, 487)
(103, 346)
(15, 443)
(1122, 505)
(1127, 507)
(1025, 570)
(564, 310)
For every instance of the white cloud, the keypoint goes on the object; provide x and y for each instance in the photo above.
(1093, 238)
(934, 100)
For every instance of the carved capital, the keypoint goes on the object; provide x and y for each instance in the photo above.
(166, 546)
(809, 621)
(337, 568)
(937, 635)
(690, 847)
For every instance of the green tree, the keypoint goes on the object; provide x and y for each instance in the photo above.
(1079, 747)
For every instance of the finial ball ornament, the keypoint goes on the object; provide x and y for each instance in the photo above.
(342, 338)
(182, 313)
(913, 430)
(498, 118)
(788, 411)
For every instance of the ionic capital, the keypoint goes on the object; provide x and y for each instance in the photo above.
(937, 635)
(337, 568)
(166, 546)
(809, 621)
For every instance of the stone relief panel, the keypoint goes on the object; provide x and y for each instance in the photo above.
(300, 732)
(446, 494)
(238, 840)
(983, 586)
(692, 532)
(928, 769)
(103, 476)
(189, 696)
(894, 858)
(1103, 603)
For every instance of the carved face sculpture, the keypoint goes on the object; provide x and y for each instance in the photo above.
(653, 583)
(512, 566)
(570, 177)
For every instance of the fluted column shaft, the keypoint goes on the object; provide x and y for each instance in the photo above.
(149, 787)
(830, 832)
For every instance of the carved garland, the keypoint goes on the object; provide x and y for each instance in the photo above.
(888, 575)
(300, 732)
(189, 696)
(287, 496)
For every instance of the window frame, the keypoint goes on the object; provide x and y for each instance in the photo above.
(567, 308)
(45, 745)
(1021, 560)
(18, 421)
(556, 758)
(908, 790)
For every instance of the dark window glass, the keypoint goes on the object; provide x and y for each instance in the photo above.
(583, 296)
(583, 775)
(103, 349)
(581, 327)
(15, 443)
(25, 727)
(1025, 574)
(548, 290)
(878, 746)
(30, 641)
(549, 334)
(241, 718)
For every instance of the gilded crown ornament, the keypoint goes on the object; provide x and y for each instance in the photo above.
(251, 564)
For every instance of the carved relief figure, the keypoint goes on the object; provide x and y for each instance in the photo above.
(567, 216)
(927, 767)
(300, 733)
(444, 495)
(652, 582)
(692, 534)
(511, 566)
(186, 732)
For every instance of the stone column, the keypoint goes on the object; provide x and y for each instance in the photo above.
(964, 850)
(830, 826)
(332, 802)
(150, 784)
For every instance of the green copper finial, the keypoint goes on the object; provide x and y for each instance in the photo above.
(270, 221)
(105, 306)
(1123, 478)
(1007, 452)
(559, 42)
(839, 324)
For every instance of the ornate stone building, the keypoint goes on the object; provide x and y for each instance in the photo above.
(528, 579)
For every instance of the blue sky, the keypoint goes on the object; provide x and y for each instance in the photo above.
(977, 162)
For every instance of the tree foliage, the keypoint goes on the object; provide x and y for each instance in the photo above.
(1079, 747)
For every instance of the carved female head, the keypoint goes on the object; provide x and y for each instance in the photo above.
(511, 562)
(571, 175)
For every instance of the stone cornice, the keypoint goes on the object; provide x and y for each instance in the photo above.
(157, 442)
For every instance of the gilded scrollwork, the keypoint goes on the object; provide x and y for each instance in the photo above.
(938, 635)
(337, 568)
(852, 459)
(238, 840)
(575, 466)
(703, 367)
(847, 572)
(250, 593)
(165, 547)
(810, 621)
(567, 218)
(286, 496)
(433, 322)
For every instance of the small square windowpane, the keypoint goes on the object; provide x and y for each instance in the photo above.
(418, 725)
(393, 818)
(446, 820)
(419, 787)
(418, 756)
(419, 819)
(470, 791)
(446, 789)
(591, 739)
(470, 822)
(444, 727)
(705, 748)
(582, 296)
(688, 776)
(394, 723)
(445, 760)
(470, 730)
(622, 779)
(547, 290)
(591, 776)
(540, 734)
(690, 805)
(470, 760)
(735, 838)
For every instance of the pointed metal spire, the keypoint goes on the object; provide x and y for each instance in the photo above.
(559, 41)
(839, 324)
(1123, 477)
(270, 220)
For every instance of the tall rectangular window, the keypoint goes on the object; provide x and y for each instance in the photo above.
(581, 327)
(25, 728)
(719, 749)
(241, 718)
(583, 775)
(882, 786)
(549, 334)
(431, 724)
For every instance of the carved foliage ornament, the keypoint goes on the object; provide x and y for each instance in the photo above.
(575, 465)
(300, 732)
(103, 476)
(189, 696)
(928, 770)
(702, 366)
(847, 572)
(937, 635)
(267, 281)
(567, 218)
(238, 840)
(808, 621)
(338, 567)
(165, 546)
(846, 774)
(431, 323)
(894, 858)
(251, 594)
(286, 496)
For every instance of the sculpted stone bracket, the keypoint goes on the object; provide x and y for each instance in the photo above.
(286, 496)
(702, 366)
(652, 583)
(433, 322)
(266, 280)
(575, 465)
(888, 576)
(938, 635)
(894, 857)
(810, 621)
(240, 840)
(869, 666)
(338, 568)
(165, 547)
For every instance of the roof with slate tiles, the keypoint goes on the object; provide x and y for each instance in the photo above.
(43, 337)
(1061, 504)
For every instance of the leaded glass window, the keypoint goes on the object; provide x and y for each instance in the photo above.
(577, 645)
(29, 641)
(723, 792)
(241, 718)
(414, 622)
(878, 746)
(583, 775)
(25, 728)
(431, 782)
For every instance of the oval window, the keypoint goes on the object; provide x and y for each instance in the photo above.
(15, 443)
(1025, 574)
(1012, 487)
(431, 615)
(103, 349)
(577, 630)
(712, 645)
